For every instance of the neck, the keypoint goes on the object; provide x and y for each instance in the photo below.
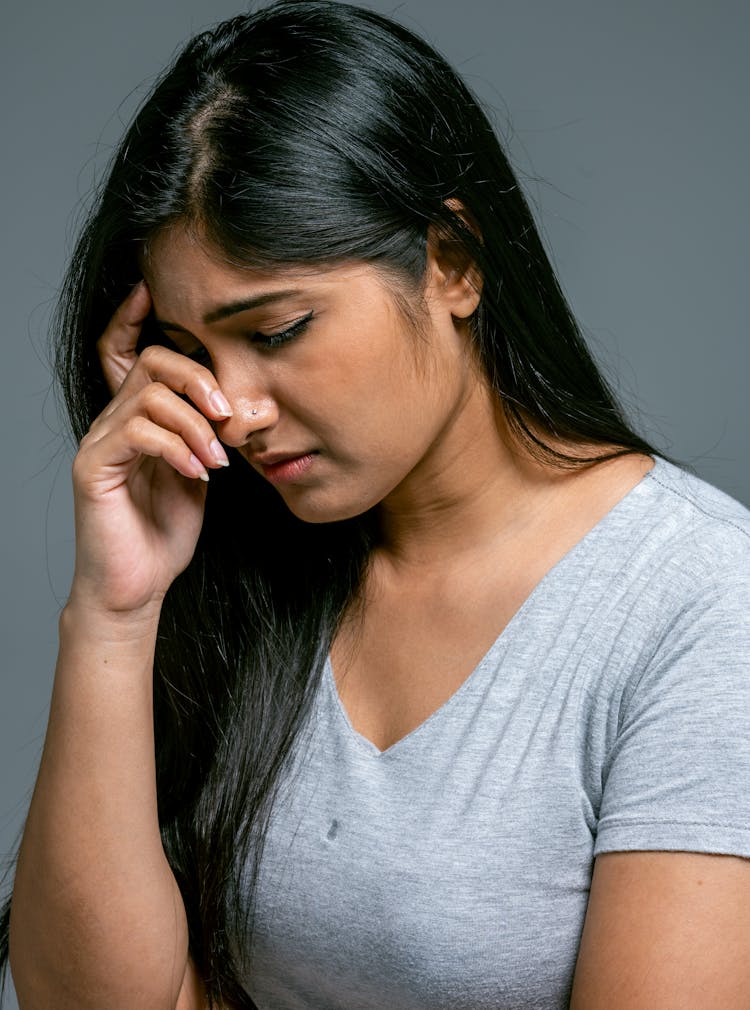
(473, 489)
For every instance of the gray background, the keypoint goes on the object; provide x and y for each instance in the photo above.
(628, 123)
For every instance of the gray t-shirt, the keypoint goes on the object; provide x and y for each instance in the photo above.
(452, 870)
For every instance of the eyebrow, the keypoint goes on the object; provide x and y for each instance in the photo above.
(232, 308)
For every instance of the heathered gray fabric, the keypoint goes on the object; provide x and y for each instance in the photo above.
(452, 870)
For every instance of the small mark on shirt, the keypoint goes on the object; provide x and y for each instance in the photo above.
(333, 830)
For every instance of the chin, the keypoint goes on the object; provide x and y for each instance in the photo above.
(317, 508)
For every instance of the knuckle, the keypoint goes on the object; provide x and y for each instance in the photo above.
(84, 451)
(82, 467)
(79, 462)
(151, 355)
(90, 439)
(176, 443)
(200, 384)
(135, 428)
(156, 393)
(201, 372)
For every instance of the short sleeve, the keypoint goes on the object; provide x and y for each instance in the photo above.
(678, 774)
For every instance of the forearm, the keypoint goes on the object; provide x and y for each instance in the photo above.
(97, 917)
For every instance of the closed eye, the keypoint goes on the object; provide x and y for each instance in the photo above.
(283, 336)
(264, 340)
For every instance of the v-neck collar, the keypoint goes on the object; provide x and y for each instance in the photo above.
(509, 629)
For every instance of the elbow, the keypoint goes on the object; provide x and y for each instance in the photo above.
(70, 972)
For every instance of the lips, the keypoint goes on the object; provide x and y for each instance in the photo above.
(272, 458)
(283, 467)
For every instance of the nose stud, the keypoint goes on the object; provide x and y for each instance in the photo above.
(254, 411)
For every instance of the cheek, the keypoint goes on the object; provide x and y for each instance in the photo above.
(387, 416)
(378, 392)
(352, 384)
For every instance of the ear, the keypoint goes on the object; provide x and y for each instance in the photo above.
(453, 275)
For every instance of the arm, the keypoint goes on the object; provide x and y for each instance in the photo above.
(668, 921)
(97, 917)
(97, 920)
(665, 931)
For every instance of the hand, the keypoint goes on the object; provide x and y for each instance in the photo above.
(140, 472)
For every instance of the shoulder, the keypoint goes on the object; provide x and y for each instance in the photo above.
(678, 753)
(674, 813)
(672, 547)
(700, 529)
(691, 542)
(674, 542)
(675, 620)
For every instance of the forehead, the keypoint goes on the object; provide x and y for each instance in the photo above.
(187, 277)
(179, 265)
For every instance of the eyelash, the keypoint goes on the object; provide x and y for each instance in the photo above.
(268, 341)
(284, 336)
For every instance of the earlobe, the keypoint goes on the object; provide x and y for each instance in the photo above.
(454, 274)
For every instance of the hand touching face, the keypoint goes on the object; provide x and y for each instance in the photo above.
(336, 397)
(140, 472)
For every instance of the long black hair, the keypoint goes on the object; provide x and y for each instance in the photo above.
(304, 132)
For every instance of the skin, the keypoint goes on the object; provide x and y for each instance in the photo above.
(400, 420)
(373, 405)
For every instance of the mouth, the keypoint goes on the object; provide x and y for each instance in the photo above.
(281, 469)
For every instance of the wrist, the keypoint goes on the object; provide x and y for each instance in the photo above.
(84, 612)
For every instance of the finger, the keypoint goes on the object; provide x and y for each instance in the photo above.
(116, 346)
(158, 364)
(163, 407)
(139, 436)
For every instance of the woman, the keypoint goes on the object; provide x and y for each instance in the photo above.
(435, 694)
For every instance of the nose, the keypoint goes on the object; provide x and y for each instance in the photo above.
(250, 415)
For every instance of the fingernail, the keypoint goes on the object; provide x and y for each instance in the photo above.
(220, 403)
(217, 451)
(200, 470)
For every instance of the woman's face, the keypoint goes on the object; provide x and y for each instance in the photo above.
(337, 400)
